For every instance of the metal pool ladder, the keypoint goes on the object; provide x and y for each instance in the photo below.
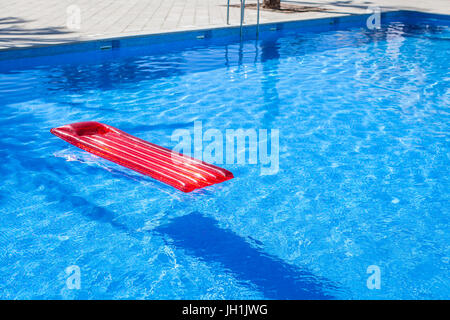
(242, 16)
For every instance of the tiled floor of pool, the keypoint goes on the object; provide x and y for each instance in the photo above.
(363, 158)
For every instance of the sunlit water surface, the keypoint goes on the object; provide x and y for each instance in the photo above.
(363, 173)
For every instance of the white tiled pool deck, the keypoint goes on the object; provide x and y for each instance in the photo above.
(26, 23)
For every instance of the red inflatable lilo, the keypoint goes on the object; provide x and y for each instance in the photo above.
(175, 169)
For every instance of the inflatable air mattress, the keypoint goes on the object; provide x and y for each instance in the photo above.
(175, 169)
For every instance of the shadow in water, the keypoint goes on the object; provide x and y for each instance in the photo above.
(67, 196)
(201, 237)
(43, 174)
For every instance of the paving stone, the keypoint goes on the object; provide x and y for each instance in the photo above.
(35, 22)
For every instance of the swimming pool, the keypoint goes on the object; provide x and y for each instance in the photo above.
(363, 168)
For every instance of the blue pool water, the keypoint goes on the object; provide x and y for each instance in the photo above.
(364, 126)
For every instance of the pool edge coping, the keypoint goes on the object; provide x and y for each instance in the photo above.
(107, 43)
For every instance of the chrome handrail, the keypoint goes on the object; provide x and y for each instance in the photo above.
(257, 20)
(243, 15)
(228, 12)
